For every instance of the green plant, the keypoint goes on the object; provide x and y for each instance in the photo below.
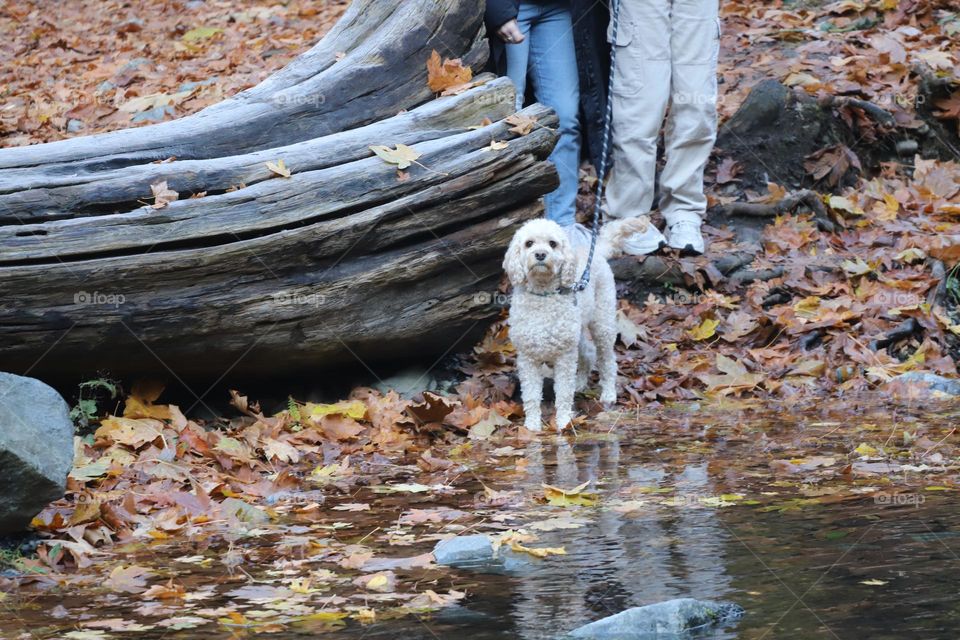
(89, 396)
(953, 285)
(10, 558)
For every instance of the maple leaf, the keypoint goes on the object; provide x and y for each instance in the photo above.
(629, 331)
(129, 579)
(832, 163)
(279, 168)
(447, 74)
(728, 171)
(569, 497)
(402, 156)
(938, 60)
(738, 325)
(705, 330)
(521, 124)
(735, 377)
(949, 107)
(162, 195)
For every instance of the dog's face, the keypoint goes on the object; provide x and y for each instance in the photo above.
(540, 256)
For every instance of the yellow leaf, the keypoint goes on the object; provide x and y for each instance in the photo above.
(539, 552)
(801, 80)
(200, 33)
(133, 433)
(705, 330)
(302, 585)
(279, 168)
(911, 255)
(874, 582)
(808, 307)
(857, 268)
(496, 145)
(348, 408)
(840, 203)
(402, 155)
(570, 497)
(866, 450)
(937, 488)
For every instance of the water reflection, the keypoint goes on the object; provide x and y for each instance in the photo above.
(621, 560)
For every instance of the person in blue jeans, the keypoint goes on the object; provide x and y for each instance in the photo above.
(539, 48)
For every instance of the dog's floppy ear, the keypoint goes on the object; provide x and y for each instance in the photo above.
(568, 273)
(513, 261)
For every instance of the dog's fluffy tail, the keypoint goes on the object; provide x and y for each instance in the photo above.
(615, 231)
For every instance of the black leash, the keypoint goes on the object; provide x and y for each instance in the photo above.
(602, 169)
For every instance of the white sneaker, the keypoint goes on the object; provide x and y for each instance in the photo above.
(685, 237)
(644, 243)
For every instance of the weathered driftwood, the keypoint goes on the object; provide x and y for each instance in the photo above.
(345, 260)
(382, 46)
(37, 195)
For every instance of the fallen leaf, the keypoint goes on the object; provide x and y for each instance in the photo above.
(402, 156)
(162, 195)
(279, 168)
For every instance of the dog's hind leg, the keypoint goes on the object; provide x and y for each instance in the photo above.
(531, 388)
(605, 335)
(588, 357)
(564, 383)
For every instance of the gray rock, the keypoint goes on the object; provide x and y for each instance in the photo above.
(36, 449)
(670, 619)
(464, 551)
(930, 381)
(476, 552)
(74, 125)
(408, 382)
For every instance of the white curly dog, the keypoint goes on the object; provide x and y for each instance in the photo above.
(551, 325)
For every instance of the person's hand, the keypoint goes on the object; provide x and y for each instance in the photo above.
(510, 33)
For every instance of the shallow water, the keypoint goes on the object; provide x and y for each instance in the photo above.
(805, 555)
(797, 573)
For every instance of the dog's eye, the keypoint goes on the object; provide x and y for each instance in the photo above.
(553, 244)
(528, 244)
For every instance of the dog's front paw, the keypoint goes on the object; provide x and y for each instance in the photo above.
(533, 425)
(608, 398)
(564, 418)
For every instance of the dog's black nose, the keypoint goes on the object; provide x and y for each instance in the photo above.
(540, 255)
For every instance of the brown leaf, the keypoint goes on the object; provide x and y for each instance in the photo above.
(446, 74)
(162, 195)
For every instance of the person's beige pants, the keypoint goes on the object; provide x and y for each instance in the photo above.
(666, 57)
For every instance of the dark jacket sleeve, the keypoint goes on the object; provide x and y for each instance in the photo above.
(500, 12)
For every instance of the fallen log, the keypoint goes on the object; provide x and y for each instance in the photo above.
(346, 259)
(369, 67)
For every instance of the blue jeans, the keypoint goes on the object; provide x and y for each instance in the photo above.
(548, 58)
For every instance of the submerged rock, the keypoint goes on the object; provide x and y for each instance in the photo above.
(477, 552)
(670, 619)
(36, 449)
(924, 381)
(464, 551)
